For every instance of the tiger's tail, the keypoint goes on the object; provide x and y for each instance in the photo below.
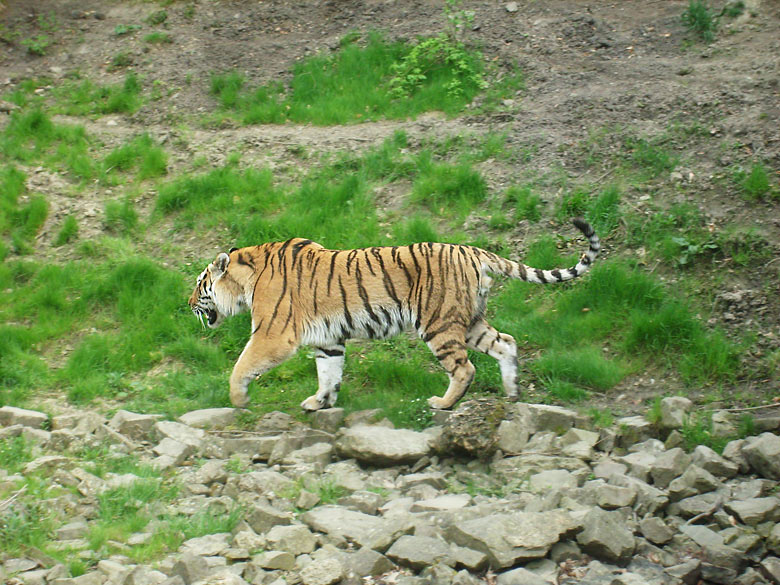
(537, 275)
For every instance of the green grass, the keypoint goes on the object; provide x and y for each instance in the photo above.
(69, 231)
(365, 80)
(700, 20)
(142, 154)
(755, 183)
(447, 188)
(85, 97)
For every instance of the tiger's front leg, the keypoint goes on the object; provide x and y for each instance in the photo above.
(330, 365)
(260, 355)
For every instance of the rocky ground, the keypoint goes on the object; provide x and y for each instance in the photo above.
(525, 495)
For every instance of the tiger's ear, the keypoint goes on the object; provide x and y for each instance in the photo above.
(220, 264)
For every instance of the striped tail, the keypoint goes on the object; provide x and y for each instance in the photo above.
(530, 274)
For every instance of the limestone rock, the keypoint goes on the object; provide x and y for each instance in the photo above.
(605, 537)
(209, 418)
(139, 427)
(763, 454)
(511, 538)
(473, 428)
(379, 445)
(418, 552)
(325, 572)
(674, 412)
(11, 415)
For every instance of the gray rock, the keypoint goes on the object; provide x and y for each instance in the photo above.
(175, 450)
(212, 471)
(363, 501)
(274, 559)
(552, 479)
(655, 530)
(327, 419)
(674, 412)
(297, 539)
(773, 541)
(687, 572)
(318, 454)
(382, 446)
(207, 546)
(190, 567)
(262, 517)
(611, 497)
(702, 535)
(733, 452)
(632, 430)
(418, 552)
(770, 567)
(512, 436)
(755, 510)
(511, 538)
(258, 447)
(606, 468)
(445, 503)
(520, 466)
(47, 463)
(544, 417)
(710, 461)
(209, 418)
(366, 562)
(267, 482)
(763, 454)
(139, 427)
(605, 537)
(11, 415)
(520, 576)
(668, 466)
(325, 572)
(167, 429)
(353, 526)
(72, 530)
(649, 499)
(694, 480)
(695, 505)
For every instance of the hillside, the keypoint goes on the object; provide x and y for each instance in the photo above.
(139, 139)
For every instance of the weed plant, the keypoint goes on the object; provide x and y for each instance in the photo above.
(755, 184)
(699, 19)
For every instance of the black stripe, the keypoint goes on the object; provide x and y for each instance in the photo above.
(364, 294)
(557, 274)
(540, 274)
(332, 269)
(331, 352)
(347, 314)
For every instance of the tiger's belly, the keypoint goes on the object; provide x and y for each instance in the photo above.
(378, 323)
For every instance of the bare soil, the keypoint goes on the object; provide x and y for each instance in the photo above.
(590, 67)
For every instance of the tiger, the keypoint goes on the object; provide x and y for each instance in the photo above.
(301, 294)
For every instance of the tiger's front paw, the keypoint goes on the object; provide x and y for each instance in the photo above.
(438, 403)
(239, 399)
(311, 403)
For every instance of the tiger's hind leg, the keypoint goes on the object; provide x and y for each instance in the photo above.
(500, 346)
(330, 365)
(452, 355)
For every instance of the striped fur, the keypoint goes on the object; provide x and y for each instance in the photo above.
(300, 293)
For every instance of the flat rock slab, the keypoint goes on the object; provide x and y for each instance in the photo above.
(379, 445)
(209, 418)
(418, 552)
(11, 415)
(508, 539)
(349, 524)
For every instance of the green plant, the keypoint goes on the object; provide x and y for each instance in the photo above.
(141, 152)
(126, 29)
(447, 188)
(526, 203)
(158, 38)
(120, 60)
(15, 453)
(120, 216)
(37, 45)
(755, 184)
(68, 231)
(157, 18)
(700, 20)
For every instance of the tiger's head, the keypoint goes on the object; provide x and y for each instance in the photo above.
(217, 293)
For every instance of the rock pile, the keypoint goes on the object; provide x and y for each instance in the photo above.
(541, 500)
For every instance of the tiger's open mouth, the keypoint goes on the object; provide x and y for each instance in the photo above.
(211, 314)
